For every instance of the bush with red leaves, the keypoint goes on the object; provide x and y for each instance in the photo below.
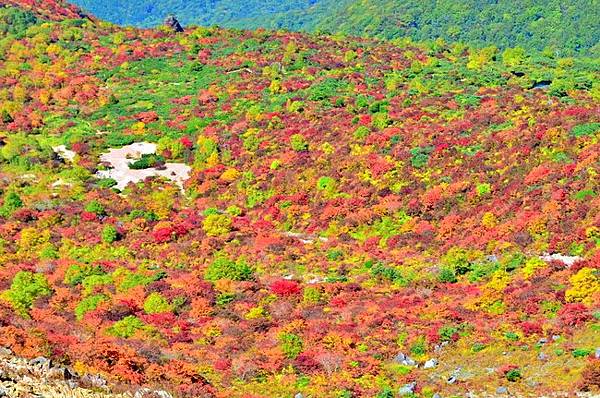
(163, 234)
(284, 287)
(306, 363)
(574, 314)
(530, 328)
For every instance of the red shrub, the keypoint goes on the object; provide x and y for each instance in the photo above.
(284, 287)
(574, 314)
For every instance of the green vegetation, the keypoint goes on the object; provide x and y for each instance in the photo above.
(126, 327)
(25, 288)
(224, 268)
(559, 27)
(109, 234)
(155, 303)
(291, 345)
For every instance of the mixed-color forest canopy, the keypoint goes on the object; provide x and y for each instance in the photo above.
(564, 27)
(225, 213)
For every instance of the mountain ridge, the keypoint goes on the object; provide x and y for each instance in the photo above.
(565, 28)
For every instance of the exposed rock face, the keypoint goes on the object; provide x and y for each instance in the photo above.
(172, 23)
(22, 378)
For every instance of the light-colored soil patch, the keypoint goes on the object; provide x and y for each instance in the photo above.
(120, 158)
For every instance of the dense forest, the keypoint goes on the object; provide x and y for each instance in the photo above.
(564, 27)
(252, 214)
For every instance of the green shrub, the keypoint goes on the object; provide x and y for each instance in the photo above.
(513, 375)
(291, 345)
(224, 299)
(447, 275)
(125, 279)
(88, 304)
(457, 259)
(582, 352)
(25, 288)
(95, 207)
(419, 347)
(361, 132)
(155, 303)
(586, 129)
(126, 327)
(15, 21)
(107, 183)
(311, 295)
(147, 161)
(298, 143)
(420, 156)
(327, 184)
(90, 282)
(109, 234)
(483, 189)
(118, 140)
(75, 274)
(224, 268)
(467, 100)
(476, 347)
(447, 333)
(12, 202)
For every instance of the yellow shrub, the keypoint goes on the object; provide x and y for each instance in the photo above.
(489, 220)
(532, 265)
(585, 284)
(230, 175)
(216, 224)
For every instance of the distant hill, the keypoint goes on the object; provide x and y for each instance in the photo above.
(567, 28)
(292, 14)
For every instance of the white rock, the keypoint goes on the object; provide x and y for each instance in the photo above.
(567, 260)
(120, 158)
(64, 153)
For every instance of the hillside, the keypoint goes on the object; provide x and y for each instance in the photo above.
(565, 28)
(222, 213)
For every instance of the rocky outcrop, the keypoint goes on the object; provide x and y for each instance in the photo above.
(40, 377)
(172, 23)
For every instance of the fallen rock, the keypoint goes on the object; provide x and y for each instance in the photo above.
(407, 389)
(405, 360)
(432, 363)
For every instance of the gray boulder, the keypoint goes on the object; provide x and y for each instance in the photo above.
(407, 389)
(405, 360)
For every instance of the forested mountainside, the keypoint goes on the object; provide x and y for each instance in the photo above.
(251, 14)
(563, 27)
(225, 213)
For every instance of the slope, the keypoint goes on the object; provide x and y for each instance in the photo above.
(355, 208)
